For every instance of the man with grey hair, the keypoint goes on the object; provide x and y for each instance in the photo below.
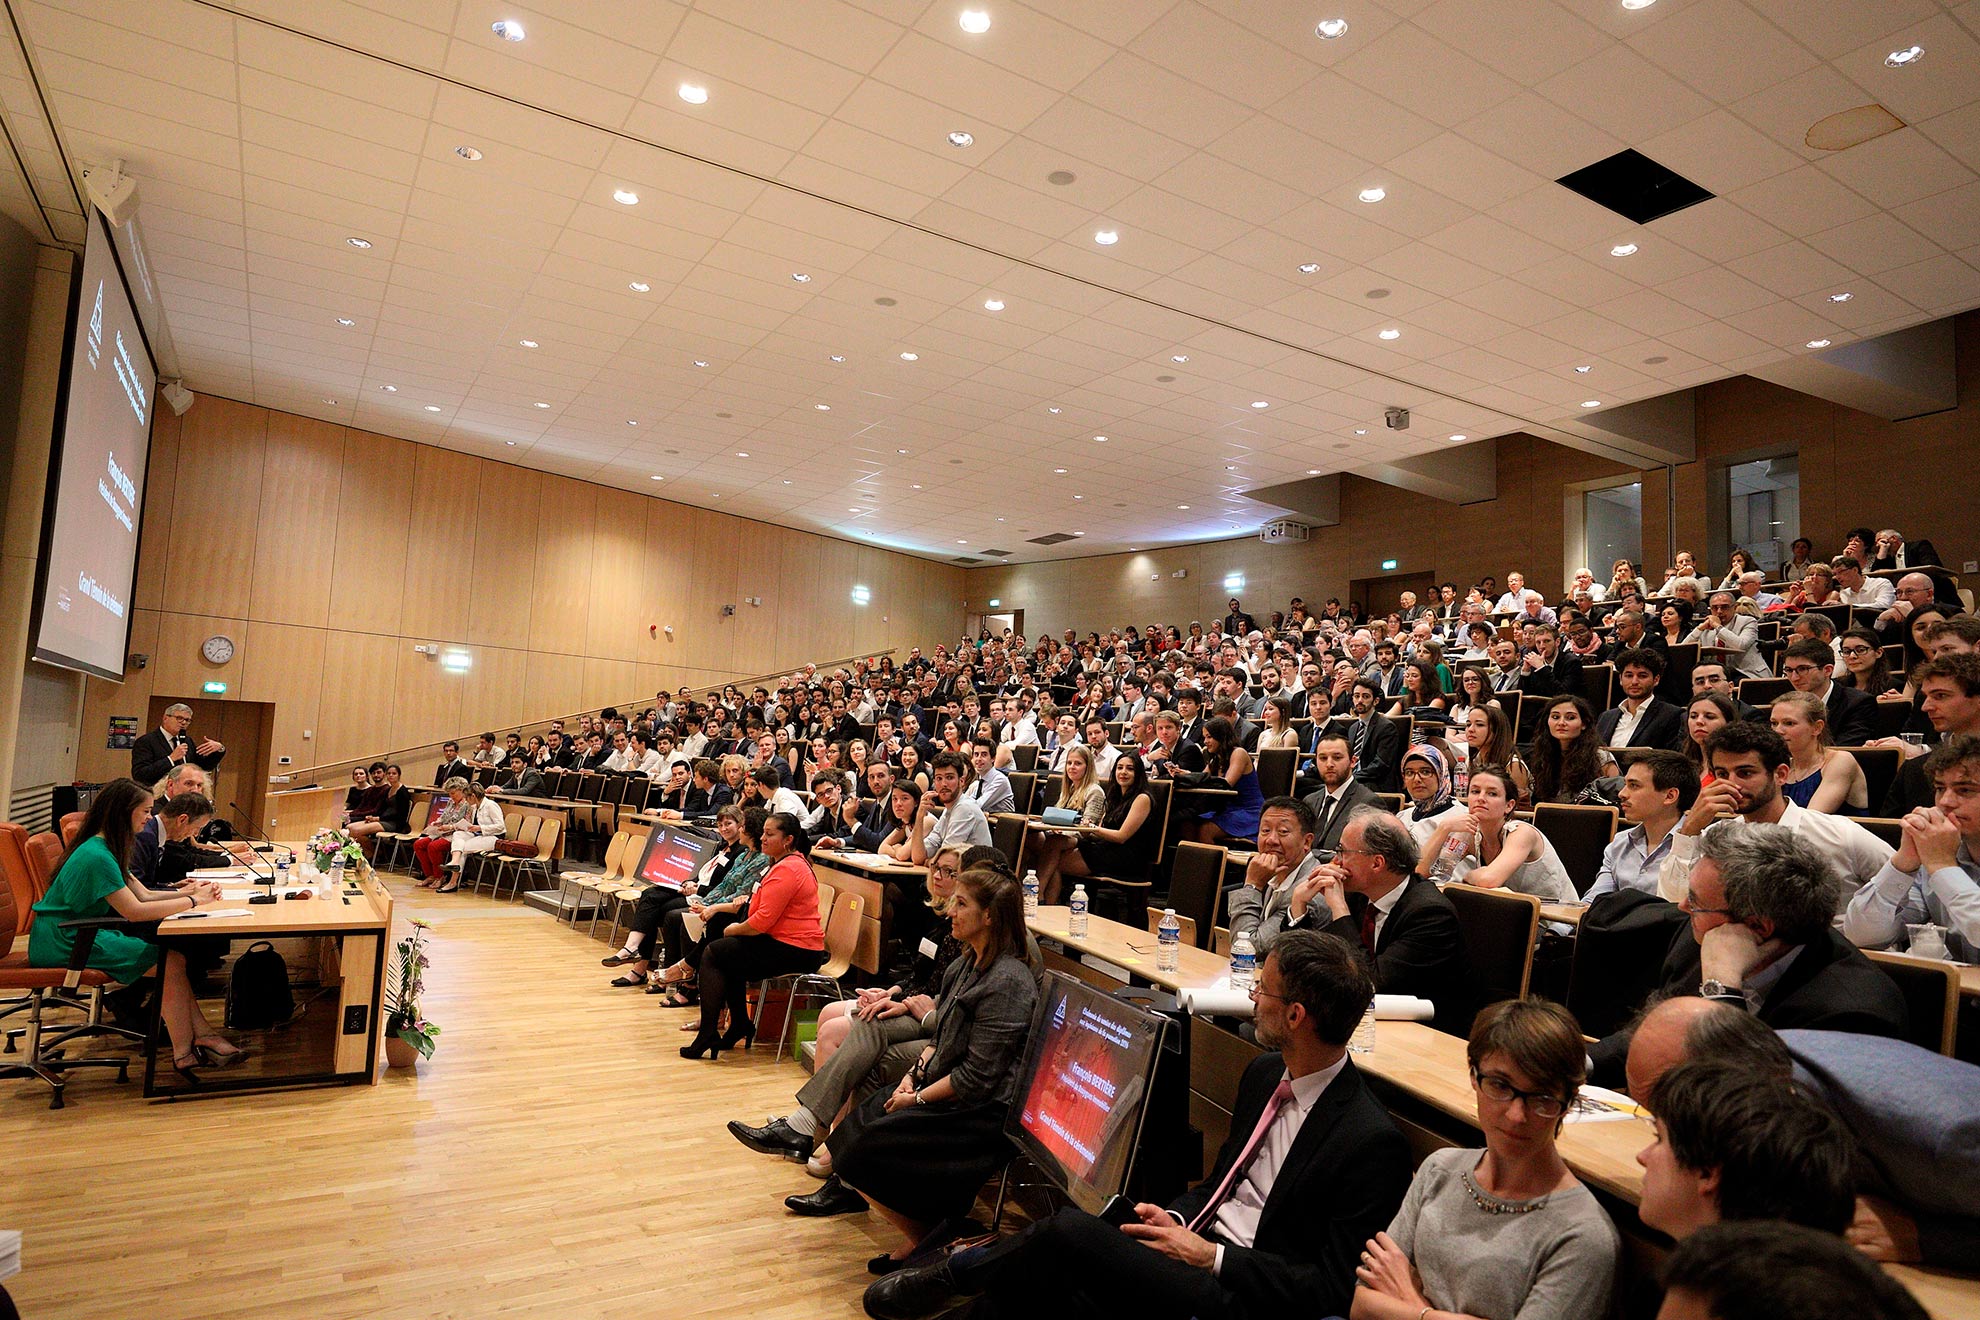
(1752, 599)
(1370, 896)
(158, 752)
(1762, 899)
(1737, 635)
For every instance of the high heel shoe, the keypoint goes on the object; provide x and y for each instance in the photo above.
(182, 1064)
(745, 1035)
(213, 1058)
(705, 1040)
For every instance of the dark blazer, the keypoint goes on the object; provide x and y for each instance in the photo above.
(1188, 757)
(1354, 797)
(1851, 716)
(1911, 790)
(151, 757)
(876, 822)
(1342, 1182)
(1662, 727)
(1562, 675)
(1380, 763)
(1916, 554)
(529, 783)
(1830, 986)
(1420, 950)
(448, 769)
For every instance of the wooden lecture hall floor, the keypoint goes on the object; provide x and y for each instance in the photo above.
(555, 1158)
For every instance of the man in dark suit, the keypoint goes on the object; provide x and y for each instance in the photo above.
(1545, 671)
(520, 780)
(1758, 894)
(1893, 551)
(1312, 1169)
(1653, 723)
(154, 755)
(1809, 665)
(1376, 739)
(1172, 754)
(451, 764)
(1370, 896)
(1338, 794)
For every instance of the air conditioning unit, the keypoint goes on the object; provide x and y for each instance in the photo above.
(1283, 531)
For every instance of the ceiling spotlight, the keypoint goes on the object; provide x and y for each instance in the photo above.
(625, 197)
(508, 29)
(1897, 59)
(359, 242)
(345, 321)
(1637, 4)
(916, 486)
(1079, 497)
(433, 407)
(539, 404)
(1075, 533)
(910, 357)
(331, 402)
(1059, 471)
(1183, 506)
(1053, 411)
(640, 286)
(1309, 268)
(1373, 194)
(822, 407)
(389, 389)
(1820, 343)
(993, 304)
(1107, 237)
(510, 443)
(1459, 439)
(1591, 403)
(1180, 357)
(838, 357)
(900, 451)
(742, 453)
(1361, 430)
(961, 541)
(800, 277)
(962, 139)
(1841, 297)
(528, 343)
(701, 362)
(694, 93)
(1261, 403)
(1099, 439)
(1313, 472)
(1623, 250)
(1583, 371)
(974, 21)
(658, 477)
(632, 421)
(1327, 29)
(1391, 333)
(467, 153)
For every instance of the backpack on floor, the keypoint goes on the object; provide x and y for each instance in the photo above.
(258, 994)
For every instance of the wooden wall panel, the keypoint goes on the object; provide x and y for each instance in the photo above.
(374, 517)
(552, 684)
(766, 557)
(285, 668)
(296, 541)
(209, 558)
(666, 576)
(606, 682)
(177, 667)
(492, 690)
(97, 762)
(560, 599)
(426, 701)
(360, 678)
(616, 624)
(160, 488)
(504, 579)
(440, 544)
(716, 541)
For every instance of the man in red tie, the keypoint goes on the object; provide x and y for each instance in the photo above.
(1312, 1165)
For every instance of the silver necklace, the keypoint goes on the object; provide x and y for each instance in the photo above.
(1493, 1205)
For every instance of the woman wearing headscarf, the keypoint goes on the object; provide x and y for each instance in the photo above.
(1426, 781)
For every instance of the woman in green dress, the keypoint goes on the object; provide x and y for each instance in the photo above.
(94, 881)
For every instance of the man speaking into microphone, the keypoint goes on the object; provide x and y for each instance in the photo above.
(166, 747)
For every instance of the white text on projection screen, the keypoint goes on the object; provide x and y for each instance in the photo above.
(106, 438)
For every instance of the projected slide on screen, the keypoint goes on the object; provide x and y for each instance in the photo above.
(97, 477)
(1087, 1071)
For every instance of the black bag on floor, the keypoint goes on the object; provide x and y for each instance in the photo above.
(258, 994)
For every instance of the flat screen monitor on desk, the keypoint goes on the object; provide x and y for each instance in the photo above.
(1084, 1088)
(673, 855)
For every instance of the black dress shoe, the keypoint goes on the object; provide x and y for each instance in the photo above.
(774, 1138)
(832, 1198)
(911, 1294)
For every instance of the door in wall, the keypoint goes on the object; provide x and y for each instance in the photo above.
(243, 728)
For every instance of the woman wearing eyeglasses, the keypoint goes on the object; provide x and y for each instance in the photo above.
(1508, 1231)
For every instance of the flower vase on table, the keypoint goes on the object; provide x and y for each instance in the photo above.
(326, 846)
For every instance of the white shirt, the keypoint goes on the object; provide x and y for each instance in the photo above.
(1236, 1220)
(1103, 760)
(1858, 854)
(1627, 720)
(1384, 906)
(1876, 593)
(782, 799)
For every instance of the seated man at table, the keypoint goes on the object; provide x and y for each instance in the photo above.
(1934, 876)
(1313, 1168)
(1277, 873)
(1768, 1268)
(1761, 900)
(1369, 896)
(1657, 789)
(521, 780)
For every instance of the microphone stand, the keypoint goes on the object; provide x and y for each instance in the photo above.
(255, 831)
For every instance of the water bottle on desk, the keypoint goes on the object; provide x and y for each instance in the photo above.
(1363, 1040)
(1168, 942)
(1076, 914)
(1031, 893)
(1244, 961)
(1448, 857)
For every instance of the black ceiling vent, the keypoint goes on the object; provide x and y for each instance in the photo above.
(1634, 186)
(1051, 538)
(996, 554)
(966, 561)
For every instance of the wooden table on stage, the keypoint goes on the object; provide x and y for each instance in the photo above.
(868, 878)
(1130, 948)
(361, 925)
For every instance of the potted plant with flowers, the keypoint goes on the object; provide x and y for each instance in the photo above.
(408, 1035)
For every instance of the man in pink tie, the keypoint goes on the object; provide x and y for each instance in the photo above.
(1312, 1167)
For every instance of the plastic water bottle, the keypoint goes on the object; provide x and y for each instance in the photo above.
(1031, 893)
(1447, 859)
(1076, 917)
(1168, 942)
(1363, 1040)
(282, 871)
(1244, 961)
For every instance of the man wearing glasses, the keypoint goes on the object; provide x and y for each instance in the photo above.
(1809, 666)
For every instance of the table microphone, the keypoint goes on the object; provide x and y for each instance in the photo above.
(254, 832)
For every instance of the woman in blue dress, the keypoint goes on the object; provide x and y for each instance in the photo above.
(1235, 820)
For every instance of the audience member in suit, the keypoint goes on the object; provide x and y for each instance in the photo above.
(1726, 628)
(1376, 739)
(1762, 899)
(1172, 753)
(1545, 671)
(1893, 551)
(1652, 723)
(1767, 1267)
(1337, 793)
(1949, 698)
(864, 823)
(1313, 1168)
(1708, 675)
(1809, 665)
(451, 764)
(521, 780)
(1277, 884)
(1369, 896)
(560, 755)
(154, 755)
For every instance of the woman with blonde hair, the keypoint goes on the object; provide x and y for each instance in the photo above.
(1820, 778)
(1082, 792)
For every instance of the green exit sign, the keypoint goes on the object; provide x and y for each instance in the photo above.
(215, 689)
(1389, 564)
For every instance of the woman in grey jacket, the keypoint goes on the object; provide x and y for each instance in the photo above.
(921, 1151)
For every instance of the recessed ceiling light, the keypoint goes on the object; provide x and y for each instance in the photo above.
(1329, 28)
(900, 451)
(1313, 472)
(1897, 59)
(1841, 297)
(1637, 4)
(508, 29)
(632, 421)
(1182, 506)
(1059, 471)
(993, 304)
(510, 443)
(1623, 250)
(910, 357)
(1361, 430)
(701, 362)
(1261, 403)
(331, 402)
(1107, 237)
(1179, 357)
(838, 357)
(800, 277)
(389, 389)
(1583, 371)
(787, 481)
(433, 407)
(1075, 533)
(916, 486)
(640, 286)
(1591, 403)
(1099, 439)
(1390, 333)
(852, 510)
(1309, 268)
(961, 139)
(1820, 343)
(1373, 194)
(345, 321)
(1079, 497)
(359, 242)
(658, 477)
(974, 20)
(1053, 411)
(961, 541)
(466, 152)
(1459, 438)
(822, 407)
(625, 197)
(1228, 468)
(540, 404)
(694, 93)
(528, 343)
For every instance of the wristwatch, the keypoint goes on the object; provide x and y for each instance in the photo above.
(1713, 989)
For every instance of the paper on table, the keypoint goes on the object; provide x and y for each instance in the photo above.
(236, 895)
(863, 858)
(1219, 1000)
(212, 912)
(1598, 1104)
